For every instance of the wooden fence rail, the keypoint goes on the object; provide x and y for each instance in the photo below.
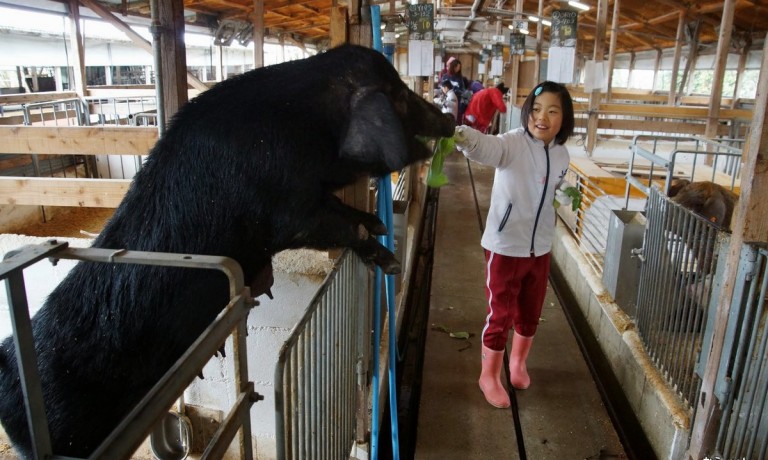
(74, 140)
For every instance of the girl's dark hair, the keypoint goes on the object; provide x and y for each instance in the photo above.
(566, 129)
(453, 67)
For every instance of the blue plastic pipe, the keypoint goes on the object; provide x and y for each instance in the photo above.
(385, 213)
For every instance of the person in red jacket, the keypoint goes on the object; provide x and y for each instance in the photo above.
(483, 106)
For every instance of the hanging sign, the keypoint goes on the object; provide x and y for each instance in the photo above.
(516, 44)
(421, 21)
(518, 25)
(563, 29)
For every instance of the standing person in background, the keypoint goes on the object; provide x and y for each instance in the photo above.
(460, 84)
(483, 106)
(448, 102)
(531, 163)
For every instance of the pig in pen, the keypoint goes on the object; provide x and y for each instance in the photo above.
(679, 258)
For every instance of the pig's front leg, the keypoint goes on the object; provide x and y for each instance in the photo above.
(337, 225)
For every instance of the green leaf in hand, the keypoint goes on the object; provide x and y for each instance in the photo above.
(575, 195)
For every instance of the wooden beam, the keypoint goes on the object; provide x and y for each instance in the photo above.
(612, 45)
(76, 41)
(77, 140)
(723, 45)
(664, 111)
(29, 98)
(51, 191)
(338, 25)
(594, 97)
(257, 19)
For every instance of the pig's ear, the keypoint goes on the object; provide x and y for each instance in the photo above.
(374, 135)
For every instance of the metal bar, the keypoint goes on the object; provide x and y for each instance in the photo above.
(227, 265)
(240, 346)
(231, 425)
(26, 357)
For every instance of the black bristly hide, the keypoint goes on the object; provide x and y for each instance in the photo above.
(245, 170)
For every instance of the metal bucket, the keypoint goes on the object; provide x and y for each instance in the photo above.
(171, 439)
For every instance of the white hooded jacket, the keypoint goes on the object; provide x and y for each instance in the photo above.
(521, 218)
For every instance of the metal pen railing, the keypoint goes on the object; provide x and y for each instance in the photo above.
(131, 432)
(319, 377)
(741, 386)
(678, 265)
(723, 156)
(62, 112)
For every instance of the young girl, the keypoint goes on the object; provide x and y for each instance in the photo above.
(448, 103)
(530, 163)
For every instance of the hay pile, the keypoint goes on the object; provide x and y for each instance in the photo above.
(69, 222)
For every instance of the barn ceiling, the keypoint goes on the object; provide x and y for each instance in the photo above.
(469, 25)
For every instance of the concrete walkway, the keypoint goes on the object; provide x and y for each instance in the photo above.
(561, 416)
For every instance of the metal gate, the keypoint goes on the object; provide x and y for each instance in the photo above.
(320, 374)
(679, 253)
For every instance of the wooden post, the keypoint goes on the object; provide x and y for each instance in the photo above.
(539, 39)
(257, 19)
(656, 67)
(78, 82)
(740, 71)
(174, 55)
(219, 61)
(750, 225)
(612, 47)
(676, 59)
(594, 96)
(338, 29)
(693, 55)
(721, 58)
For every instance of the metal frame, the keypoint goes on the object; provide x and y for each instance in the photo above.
(129, 435)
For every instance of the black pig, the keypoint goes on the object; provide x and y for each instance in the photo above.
(245, 170)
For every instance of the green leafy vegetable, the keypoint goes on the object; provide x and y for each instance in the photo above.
(444, 146)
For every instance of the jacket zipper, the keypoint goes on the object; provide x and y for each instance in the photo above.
(541, 203)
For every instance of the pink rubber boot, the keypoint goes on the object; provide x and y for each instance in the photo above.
(518, 373)
(490, 380)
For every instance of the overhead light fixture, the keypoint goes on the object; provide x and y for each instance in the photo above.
(546, 23)
(533, 18)
(579, 5)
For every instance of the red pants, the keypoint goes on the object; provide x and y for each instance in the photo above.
(515, 288)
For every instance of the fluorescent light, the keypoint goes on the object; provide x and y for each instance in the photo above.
(578, 5)
(546, 23)
(533, 18)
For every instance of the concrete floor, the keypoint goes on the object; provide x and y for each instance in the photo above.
(561, 415)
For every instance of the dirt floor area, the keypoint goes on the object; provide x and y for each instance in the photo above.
(69, 222)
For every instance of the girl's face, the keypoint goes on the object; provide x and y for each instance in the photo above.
(546, 117)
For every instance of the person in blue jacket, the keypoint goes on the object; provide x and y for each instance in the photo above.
(531, 163)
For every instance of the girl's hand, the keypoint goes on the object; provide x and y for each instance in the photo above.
(567, 194)
(465, 137)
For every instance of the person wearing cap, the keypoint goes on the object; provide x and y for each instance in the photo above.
(483, 106)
